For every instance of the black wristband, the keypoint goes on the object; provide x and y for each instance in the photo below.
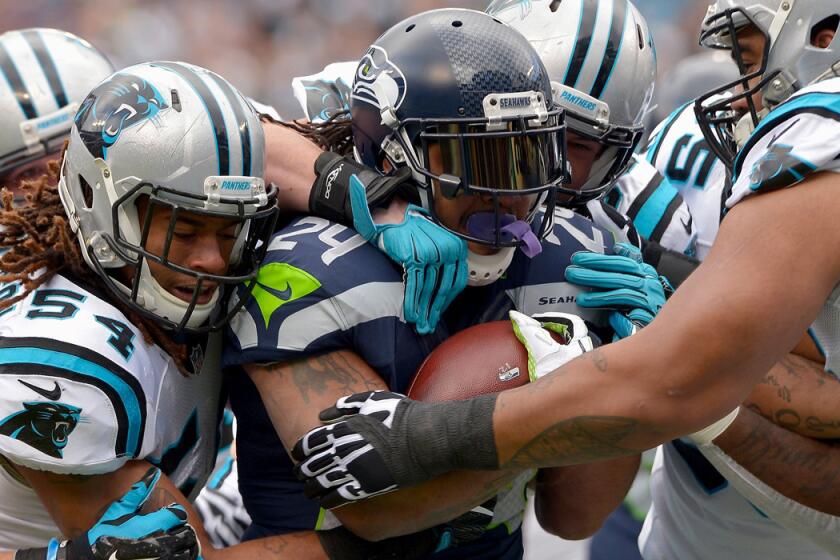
(674, 266)
(341, 544)
(329, 195)
(61, 553)
(31, 554)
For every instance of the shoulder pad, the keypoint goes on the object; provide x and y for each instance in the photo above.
(798, 138)
(323, 95)
(318, 281)
(655, 206)
(77, 380)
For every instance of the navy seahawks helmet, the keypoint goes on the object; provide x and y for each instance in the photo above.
(473, 92)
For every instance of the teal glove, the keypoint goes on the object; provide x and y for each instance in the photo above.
(621, 282)
(434, 260)
(123, 533)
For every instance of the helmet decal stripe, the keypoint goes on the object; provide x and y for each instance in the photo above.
(241, 121)
(588, 15)
(613, 47)
(24, 98)
(42, 53)
(213, 110)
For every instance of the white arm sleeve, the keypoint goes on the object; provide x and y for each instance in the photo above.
(821, 528)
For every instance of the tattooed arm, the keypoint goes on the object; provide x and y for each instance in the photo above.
(798, 467)
(295, 392)
(76, 502)
(801, 396)
(712, 342)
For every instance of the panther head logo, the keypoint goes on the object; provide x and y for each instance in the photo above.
(46, 426)
(115, 105)
(378, 81)
(778, 168)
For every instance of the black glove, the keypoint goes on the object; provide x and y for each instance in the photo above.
(330, 195)
(382, 441)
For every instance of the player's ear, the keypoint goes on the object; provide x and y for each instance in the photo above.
(824, 38)
(823, 33)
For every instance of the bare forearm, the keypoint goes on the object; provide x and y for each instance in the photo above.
(432, 503)
(803, 469)
(686, 369)
(290, 164)
(295, 392)
(573, 502)
(801, 396)
(294, 546)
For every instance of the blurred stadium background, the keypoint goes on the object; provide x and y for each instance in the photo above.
(260, 45)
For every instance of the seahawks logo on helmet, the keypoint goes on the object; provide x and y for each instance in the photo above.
(376, 77)
(116, 104)
(778, 169)
(46, 426)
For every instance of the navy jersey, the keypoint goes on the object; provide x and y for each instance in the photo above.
(322, 288)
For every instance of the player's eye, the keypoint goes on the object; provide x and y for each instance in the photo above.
(184, 234)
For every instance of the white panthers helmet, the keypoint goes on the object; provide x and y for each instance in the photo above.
(185, 139)
(46, 75)
(790, 61)
(602, 63)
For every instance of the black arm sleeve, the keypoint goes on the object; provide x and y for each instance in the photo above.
(341, 544)
(673, 265)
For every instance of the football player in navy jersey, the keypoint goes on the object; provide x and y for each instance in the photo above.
(678, 382)
(463, 103)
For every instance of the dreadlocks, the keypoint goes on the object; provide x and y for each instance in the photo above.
(333, 135)
(38, 238)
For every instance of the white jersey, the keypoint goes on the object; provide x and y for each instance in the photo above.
(656, 208)
(82, 393)
(696, 514)
(679, 152)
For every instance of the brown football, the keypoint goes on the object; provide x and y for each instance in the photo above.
(483, 359)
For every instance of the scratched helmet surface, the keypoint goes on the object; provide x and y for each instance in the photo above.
(178, 137)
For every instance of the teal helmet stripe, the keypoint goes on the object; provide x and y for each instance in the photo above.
(15, 81)
(586, 28)
(45, 60)
(214, 111)
(236, 103)
(612, 49)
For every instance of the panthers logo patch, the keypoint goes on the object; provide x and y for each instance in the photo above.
(115, 105)
(778, 168)
(378, 81)
(46, 426)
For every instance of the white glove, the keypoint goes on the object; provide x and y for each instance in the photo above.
(710, 433)
(544, 353)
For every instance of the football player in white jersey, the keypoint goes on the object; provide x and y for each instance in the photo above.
(113, 279)
(688, 367)
(47, 73)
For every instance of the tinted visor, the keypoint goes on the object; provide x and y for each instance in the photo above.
(513, 156)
